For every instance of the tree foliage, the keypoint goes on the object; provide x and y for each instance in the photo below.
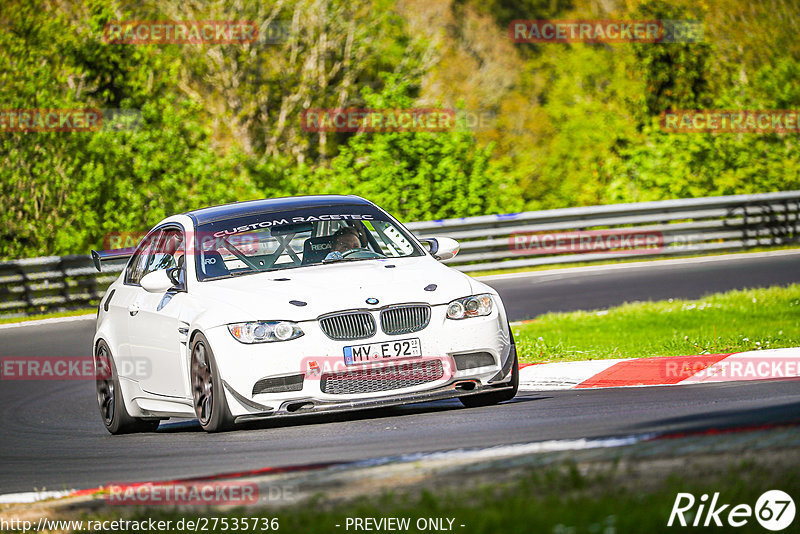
(418, 175)
(569, 124)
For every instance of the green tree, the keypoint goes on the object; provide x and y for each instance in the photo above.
(64, 190)
(418, 175)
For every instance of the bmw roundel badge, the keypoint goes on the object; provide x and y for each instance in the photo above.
(372, 300)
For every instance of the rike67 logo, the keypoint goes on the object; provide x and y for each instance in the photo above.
(774, 510)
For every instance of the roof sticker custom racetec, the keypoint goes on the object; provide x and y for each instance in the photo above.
(294, 220)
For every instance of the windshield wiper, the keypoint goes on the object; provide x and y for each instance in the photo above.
(240, 273)
(337, 260)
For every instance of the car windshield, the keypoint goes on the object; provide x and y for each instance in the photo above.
(297, 238)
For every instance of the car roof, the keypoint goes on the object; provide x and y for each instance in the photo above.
(252, 207)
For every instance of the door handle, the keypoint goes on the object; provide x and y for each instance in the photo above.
(133, 309)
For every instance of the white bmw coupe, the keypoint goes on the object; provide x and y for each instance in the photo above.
(290, 306)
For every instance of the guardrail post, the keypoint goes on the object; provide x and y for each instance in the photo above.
(26, 286)
(65, 282)
(791, 222)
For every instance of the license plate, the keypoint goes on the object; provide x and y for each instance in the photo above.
(401, 348)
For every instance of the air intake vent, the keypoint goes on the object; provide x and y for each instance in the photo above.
(280, 384)
(405, 319)
(473, 360)
(348, 325)
(371, 380)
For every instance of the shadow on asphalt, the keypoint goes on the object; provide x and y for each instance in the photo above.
(339, 417)
(722, 420)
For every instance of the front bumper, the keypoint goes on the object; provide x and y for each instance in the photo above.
(312, 406)
(241, 366)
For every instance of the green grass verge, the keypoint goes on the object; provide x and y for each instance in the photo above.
(557, 499)
(52, 315)
(736, 321)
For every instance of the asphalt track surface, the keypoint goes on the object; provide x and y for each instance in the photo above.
(52, 437)
(527, 296)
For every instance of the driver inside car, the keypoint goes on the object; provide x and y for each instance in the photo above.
(344, 239)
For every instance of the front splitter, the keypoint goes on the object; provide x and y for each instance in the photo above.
(310, 406)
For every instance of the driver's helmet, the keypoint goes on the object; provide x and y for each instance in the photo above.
(342, 233)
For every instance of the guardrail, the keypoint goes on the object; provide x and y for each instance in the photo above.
(490, 242)
(52, 283)
(673, 227)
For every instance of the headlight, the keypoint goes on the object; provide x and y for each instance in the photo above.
(475, 306)
(265, 331)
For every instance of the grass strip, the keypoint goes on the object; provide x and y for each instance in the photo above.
(735, 321)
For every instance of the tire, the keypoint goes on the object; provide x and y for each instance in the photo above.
(494, 397)
(113, 413)
(208, 397)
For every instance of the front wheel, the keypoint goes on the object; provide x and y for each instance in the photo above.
(109, 397)
(208, 398)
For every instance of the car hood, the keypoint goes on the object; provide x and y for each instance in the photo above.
(333, 287)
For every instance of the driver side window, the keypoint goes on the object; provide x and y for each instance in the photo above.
(167, 248)
(136, 265)
(162, 250)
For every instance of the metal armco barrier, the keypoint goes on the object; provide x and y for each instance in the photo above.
(686, 226)
(39, 285)
(596, 233)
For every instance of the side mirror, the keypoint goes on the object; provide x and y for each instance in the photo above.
(157, 282)
(442, 248)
